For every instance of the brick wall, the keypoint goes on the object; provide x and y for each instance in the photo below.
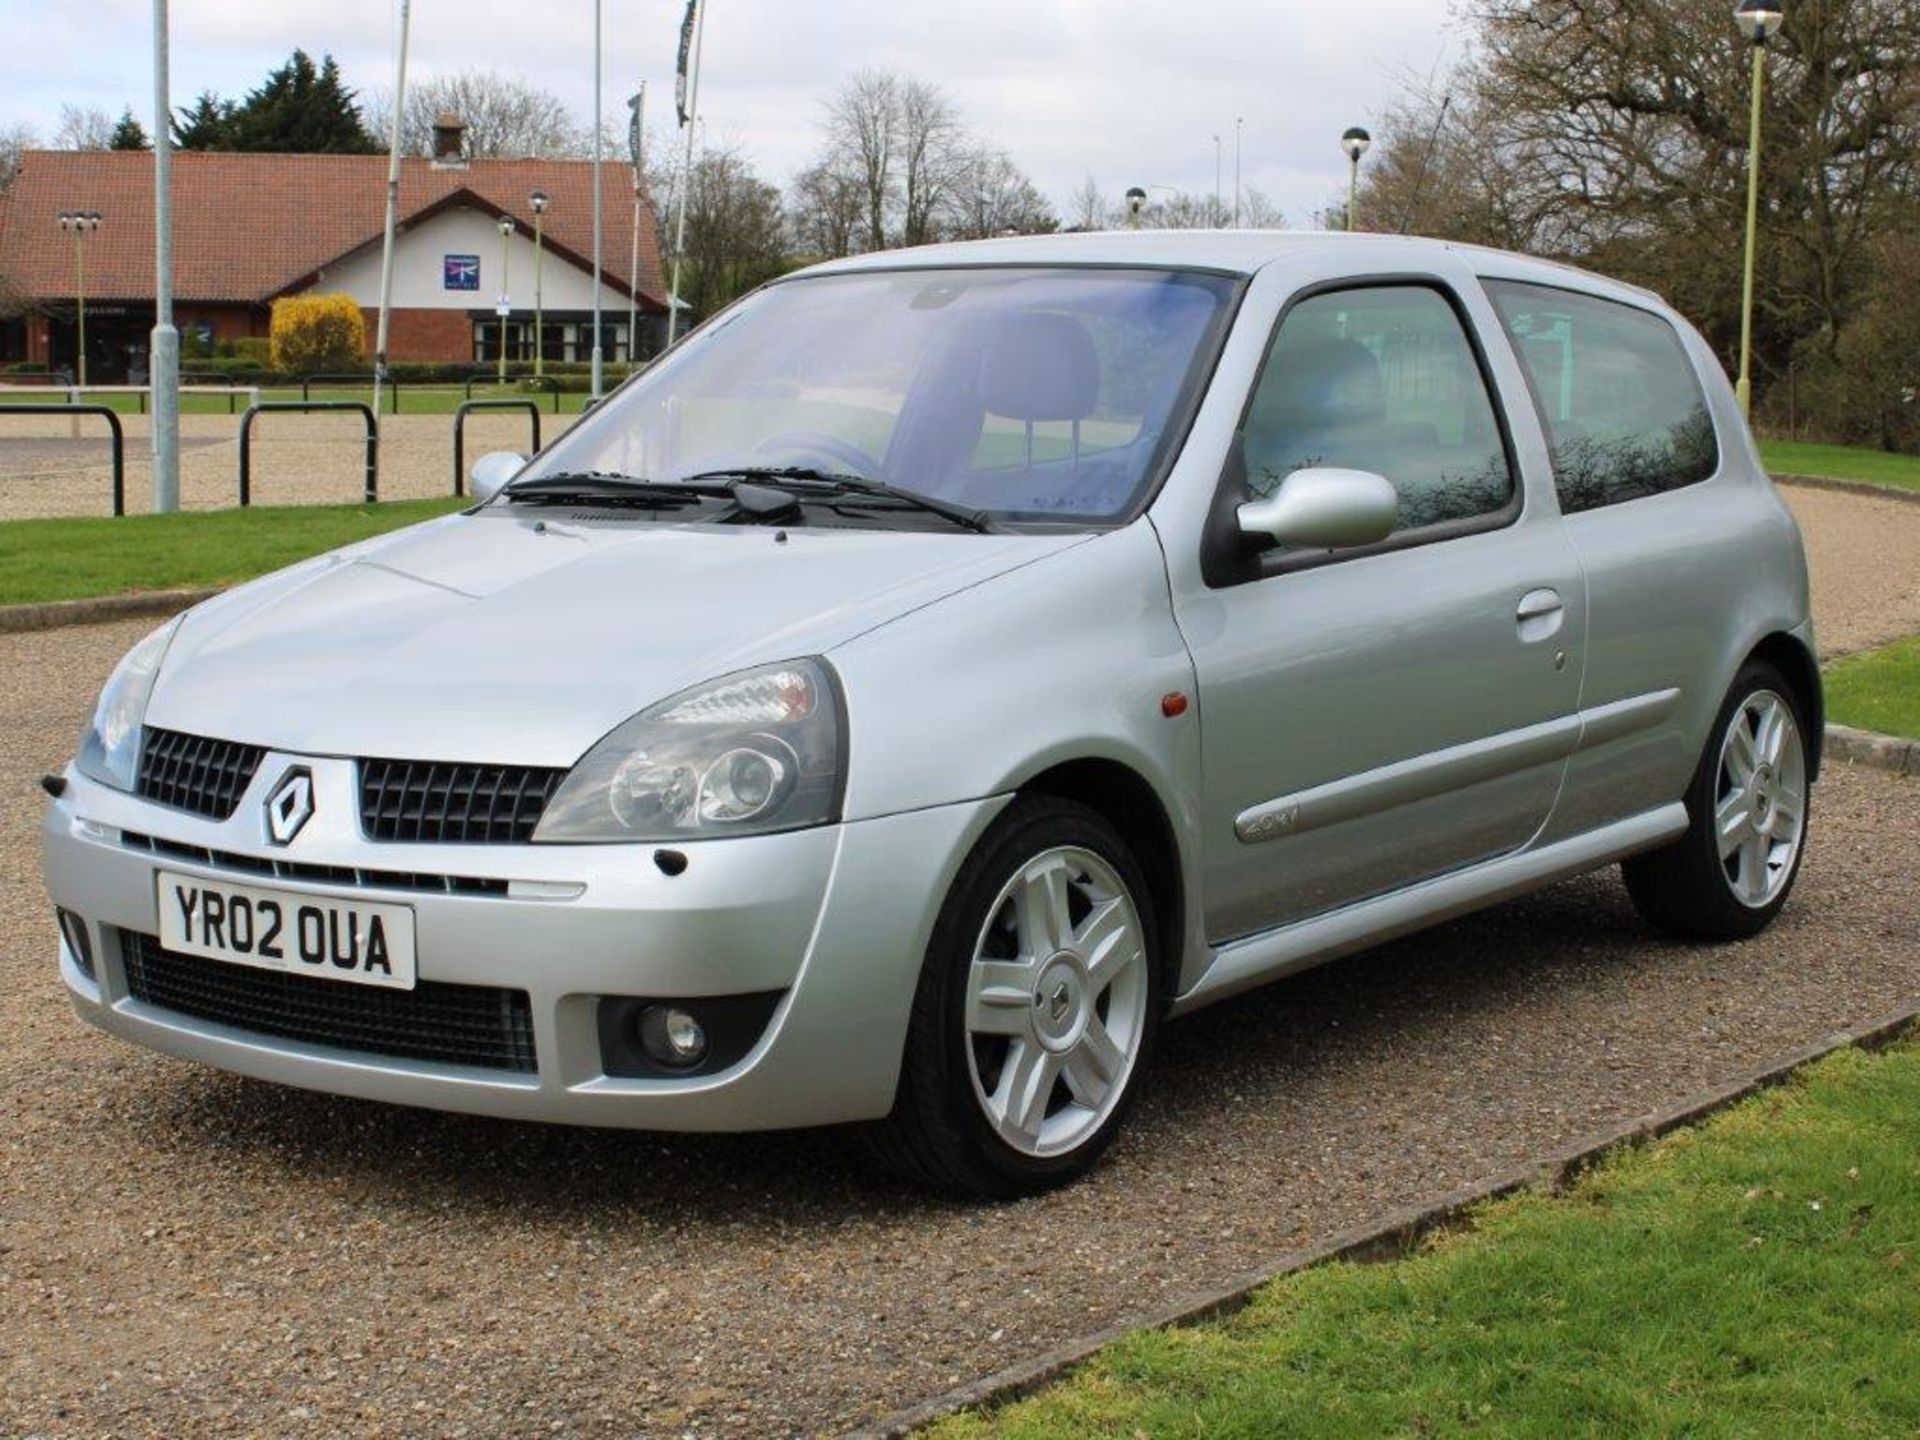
(443, 335)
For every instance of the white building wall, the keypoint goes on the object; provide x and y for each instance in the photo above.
(419, 270)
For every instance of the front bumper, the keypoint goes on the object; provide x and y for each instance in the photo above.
(835, 918)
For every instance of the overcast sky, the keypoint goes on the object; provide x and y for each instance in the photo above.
(1128, 91)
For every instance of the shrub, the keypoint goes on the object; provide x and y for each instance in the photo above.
(253, 350)
(312, 333)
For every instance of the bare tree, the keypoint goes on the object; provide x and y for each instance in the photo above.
(506, 118)
(1616, 135)
(1257, 212)
(1176, 210)
(1090, 209)
(990, 195)
(863, 132)
(736, 235)
(901, 143)
(933, 154)
(824, 211)
(15, 141)
(83, 127)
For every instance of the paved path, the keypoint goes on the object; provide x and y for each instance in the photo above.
(183, 1252)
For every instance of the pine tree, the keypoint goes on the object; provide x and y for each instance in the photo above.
(302, 109)
(128, 134)
(205, 125)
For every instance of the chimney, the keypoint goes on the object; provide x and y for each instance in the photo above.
(449, 140)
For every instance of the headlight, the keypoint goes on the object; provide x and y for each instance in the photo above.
(751, 753)
(110, 749)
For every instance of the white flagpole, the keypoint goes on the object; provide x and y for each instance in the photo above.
(686, 172)
(163, 358)
(393, 210)
(599, 145)
(638, 150)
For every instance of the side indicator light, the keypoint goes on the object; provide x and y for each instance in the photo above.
(1173, 703)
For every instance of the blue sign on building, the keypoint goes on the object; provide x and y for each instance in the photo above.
(462, 272)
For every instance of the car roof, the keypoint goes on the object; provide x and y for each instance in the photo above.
(1238, 252)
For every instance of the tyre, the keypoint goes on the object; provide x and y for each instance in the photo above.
(1747, 808)
(1036, 1011)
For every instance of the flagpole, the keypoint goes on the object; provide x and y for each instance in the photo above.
(636, 147)
(599, 145)
(686, 170)
(393, 211)
(163, 356)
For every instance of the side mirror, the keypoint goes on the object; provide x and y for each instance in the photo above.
(493, 470)
(1324, 509)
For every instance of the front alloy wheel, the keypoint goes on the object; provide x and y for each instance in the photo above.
(1056, 1001)
(1036, 1010)
(1729, 874)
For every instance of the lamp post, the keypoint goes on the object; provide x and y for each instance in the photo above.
(1214, 217)
(1136, 202)
(1758, 21)
(1355, 142)
(1238, 122)
(538, 201)
(504, 307)
(81, 223)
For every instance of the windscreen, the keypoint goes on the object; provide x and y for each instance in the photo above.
(1039, 394)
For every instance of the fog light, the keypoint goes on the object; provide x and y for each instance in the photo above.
(672, 1036)
(74, 931)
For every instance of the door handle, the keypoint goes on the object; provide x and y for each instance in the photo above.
(1540, 615)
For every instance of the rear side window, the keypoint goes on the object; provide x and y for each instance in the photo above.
(1381, 379)
(1623, 409)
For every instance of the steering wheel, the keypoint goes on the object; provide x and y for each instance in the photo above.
(818, 442)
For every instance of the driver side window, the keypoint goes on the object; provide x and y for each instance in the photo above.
(1381, 379)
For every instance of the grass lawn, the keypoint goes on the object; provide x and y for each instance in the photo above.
(1757, 1276)
(1878, 690)
(1841, 462)
(68, 559)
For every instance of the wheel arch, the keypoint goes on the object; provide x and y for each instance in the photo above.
(1127, 801)
(1790, 655)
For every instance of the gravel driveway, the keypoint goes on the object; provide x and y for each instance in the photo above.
(182, 1252)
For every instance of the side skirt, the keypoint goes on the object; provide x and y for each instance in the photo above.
(1272, 954)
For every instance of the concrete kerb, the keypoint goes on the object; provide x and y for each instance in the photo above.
(1851, 487)
(1879, 752)
(1391, 1236)
(53, 614)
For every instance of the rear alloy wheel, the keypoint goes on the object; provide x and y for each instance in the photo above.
(1036, 1009)
(1728, 876)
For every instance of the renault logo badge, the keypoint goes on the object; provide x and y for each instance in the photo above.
(290, 805)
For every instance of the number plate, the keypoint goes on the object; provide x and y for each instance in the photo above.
(358, 941)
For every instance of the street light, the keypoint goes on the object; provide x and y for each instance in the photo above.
(538, 200)
(1355, 142)
(1758, 20)
(1136, 202)
(81, 223)
(1213, 217)
(505, 306)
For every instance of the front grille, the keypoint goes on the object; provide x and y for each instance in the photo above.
(318, 874)
(476, 1025)
(416, 800)
(191, 772)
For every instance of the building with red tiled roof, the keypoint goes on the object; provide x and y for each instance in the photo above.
(249, 228)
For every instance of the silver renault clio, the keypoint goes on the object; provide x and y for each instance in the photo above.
(944, 667)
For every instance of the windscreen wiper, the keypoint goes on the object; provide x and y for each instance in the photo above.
(573, 487)
(813, 482)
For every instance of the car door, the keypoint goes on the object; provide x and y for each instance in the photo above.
(1665, 528)
(1374, 717)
